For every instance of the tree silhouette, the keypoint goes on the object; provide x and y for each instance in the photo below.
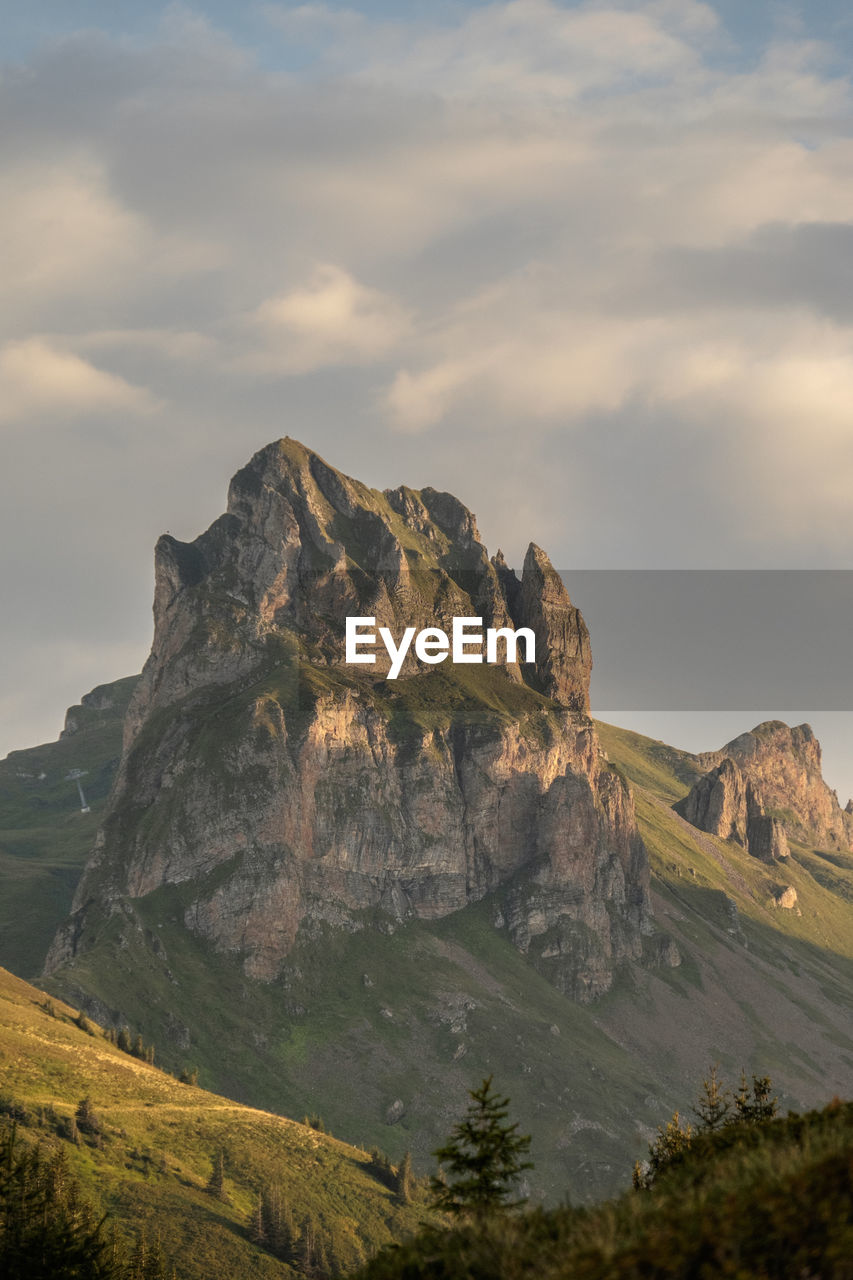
(482, 1160)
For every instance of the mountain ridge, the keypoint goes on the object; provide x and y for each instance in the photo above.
(298, 792)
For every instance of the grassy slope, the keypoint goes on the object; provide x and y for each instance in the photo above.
(762, 1202)
(760, 987)
(362, 1020)
(444, 1004)
(44, 838)
(159, 1138)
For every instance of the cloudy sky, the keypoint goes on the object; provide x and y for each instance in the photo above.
(587, 265)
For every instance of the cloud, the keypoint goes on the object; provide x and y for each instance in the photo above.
(582, 263)
(37, 381)
(333, 319)
(518, 49)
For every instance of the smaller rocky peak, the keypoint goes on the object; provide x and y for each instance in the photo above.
(717, 803)
(452, 517)
(510, 584)
(785, 766)
(727, 803)
(177, 566)
(563, 655)
(409, 506)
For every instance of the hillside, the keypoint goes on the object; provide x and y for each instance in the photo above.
(341, 893)
(769, 1201)
(45, 840)
(760, 985)
(410, 1015)
(151, 1161)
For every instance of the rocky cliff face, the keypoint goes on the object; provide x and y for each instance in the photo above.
(285, 789)
(766, 786)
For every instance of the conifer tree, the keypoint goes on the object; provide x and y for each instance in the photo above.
(757, 1107)
(404, 1178)
(216, 1181)
(257, 1230)
(715, 1103)
(669, 1146)
(482, 1160)
(85, 1116)
(307, 1246)
(47, 1232)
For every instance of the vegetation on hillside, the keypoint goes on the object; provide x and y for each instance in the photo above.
(45, 839)
(181, 1172)
(744, 1195)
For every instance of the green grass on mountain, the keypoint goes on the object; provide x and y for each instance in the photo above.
(417, 1013)
(758, 984)
(770, 1201)
(44, 838)
(663, 770)
(360, 1021)
(150, 1165)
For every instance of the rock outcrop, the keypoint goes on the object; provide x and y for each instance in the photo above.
(287, 791)
(765, 787)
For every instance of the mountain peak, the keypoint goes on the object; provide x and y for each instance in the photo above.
(290, 787)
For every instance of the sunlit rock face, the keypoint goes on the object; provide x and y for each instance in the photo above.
(284, 789)
(765, 787)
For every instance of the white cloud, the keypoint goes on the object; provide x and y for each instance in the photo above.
(552, 234)
(37, 381)
(517, 49)
(333, 319)
(60, 230)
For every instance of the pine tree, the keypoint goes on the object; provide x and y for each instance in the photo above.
(669, 1146)
(46, 1228)
(483, 1158)
(715, 1103)
(216, 1181)
(257, 1230)
(123, 1040)
(307, 1246)
(760, 1106)
(404, 1178)
(87, 1121)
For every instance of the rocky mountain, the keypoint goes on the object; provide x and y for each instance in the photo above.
(293, 790)
(334, 892)
(764, 787)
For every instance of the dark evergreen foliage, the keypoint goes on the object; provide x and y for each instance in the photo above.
(87, 1121)
(716, 1110)
(771, 1200)
(216, 1181)
(482, 1161)
(47, 1232)
(405, 1179)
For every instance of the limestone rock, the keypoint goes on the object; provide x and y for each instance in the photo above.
(717, 803)
(787, 898)
(766, 838)
(563, 655)
(764, 787)
(287, 792)
(395, 1112)
(783, 763)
